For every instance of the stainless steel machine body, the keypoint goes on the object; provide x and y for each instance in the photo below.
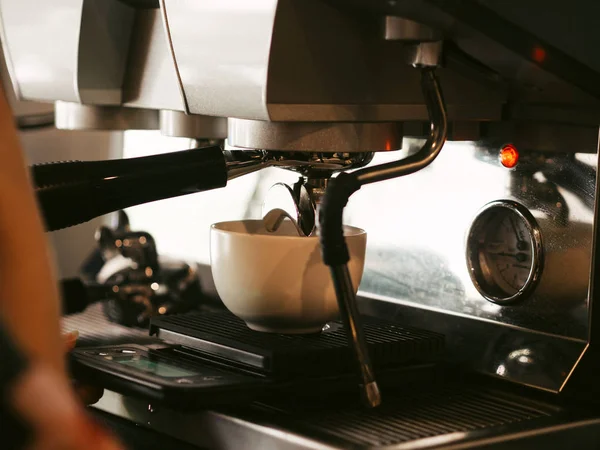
(501, 260)
(418, 268)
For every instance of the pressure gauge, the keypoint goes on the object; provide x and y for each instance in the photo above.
(505, 252)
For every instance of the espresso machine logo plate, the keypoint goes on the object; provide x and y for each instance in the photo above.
(505, 252)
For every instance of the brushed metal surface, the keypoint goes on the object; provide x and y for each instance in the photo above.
(400, 28)
(314, 137)
(328, 64)
(416, 269)
(70, 50)
(41, 42)
(314, 60)
(75, 116)
(276, 60)
(222, 51)
(305, 61)
(104, 41)
(151, 78)
(178, 124)
(423, 259)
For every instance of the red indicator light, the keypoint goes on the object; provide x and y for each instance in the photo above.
(538, 54)
(509, 156)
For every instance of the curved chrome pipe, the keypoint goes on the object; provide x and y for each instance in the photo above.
(437, 137)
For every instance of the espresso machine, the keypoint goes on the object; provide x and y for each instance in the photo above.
(462, 135)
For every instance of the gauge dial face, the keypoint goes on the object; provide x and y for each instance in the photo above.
(504, 252)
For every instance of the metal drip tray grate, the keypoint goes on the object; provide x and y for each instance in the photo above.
(223, 334)
(95, 329)
(409, 417)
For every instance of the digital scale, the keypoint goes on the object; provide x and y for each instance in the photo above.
(212, 358)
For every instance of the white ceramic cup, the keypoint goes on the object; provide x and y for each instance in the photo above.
(277, 282)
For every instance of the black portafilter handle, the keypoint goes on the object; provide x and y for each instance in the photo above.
(73, 192)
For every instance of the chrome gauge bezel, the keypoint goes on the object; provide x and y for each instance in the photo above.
(481, 276)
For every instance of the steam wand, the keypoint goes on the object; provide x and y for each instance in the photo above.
(333, 245)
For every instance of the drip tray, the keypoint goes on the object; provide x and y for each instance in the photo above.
(462, 415)
(419, 419)
(223, 335)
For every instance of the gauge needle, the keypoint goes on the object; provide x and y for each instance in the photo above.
(519, 256)
(514, 226)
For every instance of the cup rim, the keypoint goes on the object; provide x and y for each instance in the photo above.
(354, 231)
